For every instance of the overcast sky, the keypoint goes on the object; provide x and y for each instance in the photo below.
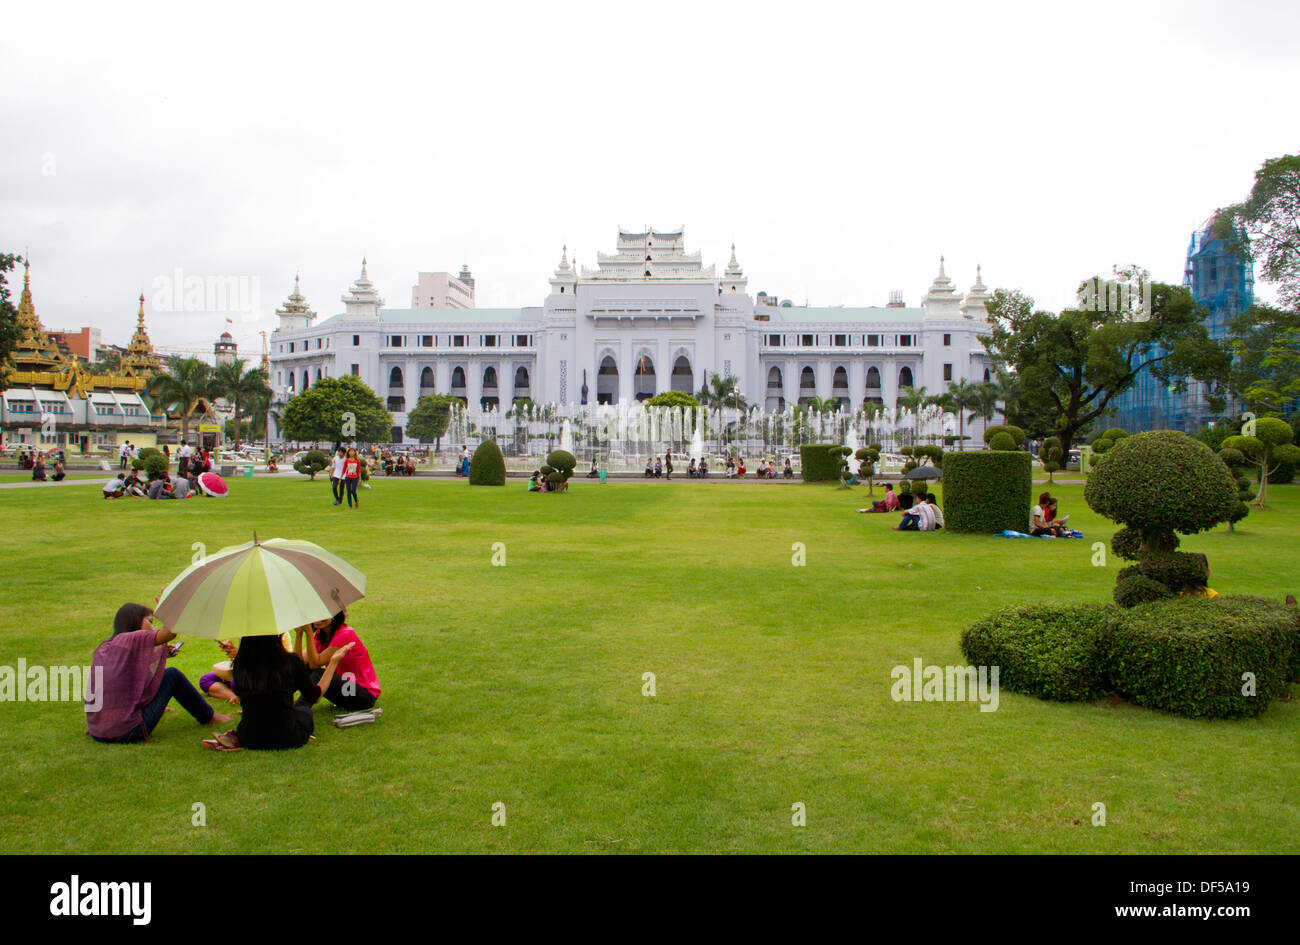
(842, 147)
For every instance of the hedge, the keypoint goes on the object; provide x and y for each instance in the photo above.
(818, 463)
(1132, 587)
(1051, 652)
(1187, 655)
(986, 492)
(487, 467)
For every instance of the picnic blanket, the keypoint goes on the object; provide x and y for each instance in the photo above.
(1067, 533)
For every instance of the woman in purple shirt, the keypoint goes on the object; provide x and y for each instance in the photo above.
(130, 684)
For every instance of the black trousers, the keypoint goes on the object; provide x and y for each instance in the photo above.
(337, 486)
(359, 700)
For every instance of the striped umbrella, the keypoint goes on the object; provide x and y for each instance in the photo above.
(257, 589)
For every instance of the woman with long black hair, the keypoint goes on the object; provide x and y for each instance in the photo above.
(131, 684)
(355, 686)
(266, 676)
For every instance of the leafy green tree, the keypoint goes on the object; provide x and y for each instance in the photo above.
(1266, 364)
(431, 418)
(963, 396)
(822, 407)
(1268, 448)
(673, 398)
(179, 386)
(321, 413)
(1265, 228)
(234, 382)
(1076, 363)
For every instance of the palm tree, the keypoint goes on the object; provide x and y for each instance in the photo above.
(236, 384)
(822, 406)
(721, 392)
(963, 396)
(913, 399)
(179, 387)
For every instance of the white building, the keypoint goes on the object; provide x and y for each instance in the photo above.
(648, 318)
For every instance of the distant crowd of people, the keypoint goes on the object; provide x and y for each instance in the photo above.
(46, 466)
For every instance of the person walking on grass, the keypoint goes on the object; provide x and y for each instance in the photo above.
(336, 475)
(351, 477)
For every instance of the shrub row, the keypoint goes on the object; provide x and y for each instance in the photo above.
(1186, 655)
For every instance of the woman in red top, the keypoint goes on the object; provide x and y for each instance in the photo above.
(351, 476)
(355, 685)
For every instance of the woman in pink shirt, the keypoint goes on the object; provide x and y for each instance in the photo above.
(351, 476)
(130, 683)
(355, 685)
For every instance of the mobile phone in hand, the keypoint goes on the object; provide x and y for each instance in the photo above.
(175, 648)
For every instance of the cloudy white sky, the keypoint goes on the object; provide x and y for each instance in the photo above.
(842, 146)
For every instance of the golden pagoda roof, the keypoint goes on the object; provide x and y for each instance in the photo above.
(139, 360)
(34, 350)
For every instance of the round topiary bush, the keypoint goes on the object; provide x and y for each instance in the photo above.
(1190, 656)
(1016, 433)
(1048, 651)
(1050, 456)
(312, 462)
(152, 462)
(1160, 483)
(1002, 442)
(487, 467)
(1175, 569)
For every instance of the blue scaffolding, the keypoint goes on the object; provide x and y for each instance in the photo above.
(1221, 282)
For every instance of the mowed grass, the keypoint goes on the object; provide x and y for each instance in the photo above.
(522, 684)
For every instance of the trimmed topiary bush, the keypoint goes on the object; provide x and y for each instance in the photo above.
(1051, 652)
(1002, 442)
(1049, 454)
(1175, 569)
(1132, 587)
(1016, 433)
(1158, 484)
(312, 462)
(818, 463)
(868, 456)
(487, 467)
(1189, 655)
(559, 466)
(152, 462)
(985, 492)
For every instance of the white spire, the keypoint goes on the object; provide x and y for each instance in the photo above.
(942, 301)
(973, 306)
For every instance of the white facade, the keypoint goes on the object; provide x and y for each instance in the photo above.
(648, 318)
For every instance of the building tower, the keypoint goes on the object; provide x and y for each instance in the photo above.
(295, 313)
(225, 349)
(139, 360)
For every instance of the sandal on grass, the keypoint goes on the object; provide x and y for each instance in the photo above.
(215, 745)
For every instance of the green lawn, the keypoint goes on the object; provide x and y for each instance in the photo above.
(523, 684)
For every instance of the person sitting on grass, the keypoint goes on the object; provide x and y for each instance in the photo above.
(649, 468)
(1198, 587)
(789, 470)
(355, 685)
(115, 488)
(532, 481)
(59, 473)
(219, 683)
(266, 676)
(1039, 523)
(740, 468)
(936, 511)
(134, 485)
(134, 683)
(919, 518)
(690, 469)
(595, 469)
(38, 469)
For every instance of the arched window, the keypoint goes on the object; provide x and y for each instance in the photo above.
(873, 382)
(683, 378)
(775, 390)
(306, 381)
(458, 379)
(905, 378)
(807, 385)
(395, 379)
(489, 378)
(521, 381)
(426, 381)
(607, 381)
(987, 378)
(643, 379)
(318, 374)
(840, 386)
